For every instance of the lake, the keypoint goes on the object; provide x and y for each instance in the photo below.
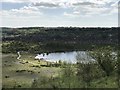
(65, 56)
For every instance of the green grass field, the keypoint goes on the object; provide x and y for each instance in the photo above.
(22, 72)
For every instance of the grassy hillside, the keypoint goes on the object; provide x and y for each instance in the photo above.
(30, 73)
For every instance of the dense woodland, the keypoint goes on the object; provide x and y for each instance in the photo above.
(48, 39)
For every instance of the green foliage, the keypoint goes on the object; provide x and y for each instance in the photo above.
(57, 39)
(34, 84)
(15, 46)
(68, 71)
(60, 62)
(84, 69)
(118, 68)
(68, 75)
(84, 73)
(106, 58)
(38, 66)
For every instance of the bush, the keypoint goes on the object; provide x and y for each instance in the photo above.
(106, 59)
(7, 76)
(87, 70)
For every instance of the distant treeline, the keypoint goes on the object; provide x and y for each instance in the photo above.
(50, 39)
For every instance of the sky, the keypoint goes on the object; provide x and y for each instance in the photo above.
(59, 13)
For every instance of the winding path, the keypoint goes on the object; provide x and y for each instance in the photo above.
(19, 56)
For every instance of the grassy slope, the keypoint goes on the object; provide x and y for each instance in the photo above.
(21, 72)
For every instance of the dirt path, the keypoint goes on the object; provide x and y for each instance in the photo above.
(19, 56)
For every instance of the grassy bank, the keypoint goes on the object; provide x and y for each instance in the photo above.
(30, 73)
(22, 72)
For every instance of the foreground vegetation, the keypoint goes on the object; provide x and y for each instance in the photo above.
(30, 73)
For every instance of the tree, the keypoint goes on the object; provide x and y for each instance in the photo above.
(118, 68)
(105, 57)
(67, 79)
(84, 69)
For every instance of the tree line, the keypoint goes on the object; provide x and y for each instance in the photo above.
(58, 39)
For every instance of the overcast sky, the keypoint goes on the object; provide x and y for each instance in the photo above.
(54, 13)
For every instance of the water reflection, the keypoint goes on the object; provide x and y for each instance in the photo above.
(64, 56)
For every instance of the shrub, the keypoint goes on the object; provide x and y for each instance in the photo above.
(106, 59)
(85, 69)
(7, 76)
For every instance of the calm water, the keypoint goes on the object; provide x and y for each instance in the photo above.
(64, 56)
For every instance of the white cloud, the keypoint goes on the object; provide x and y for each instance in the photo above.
(69, 14)
(22, 12)
(78, 7)
(81, 7)
(15, 1)
(94, 7)
(68, 8)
